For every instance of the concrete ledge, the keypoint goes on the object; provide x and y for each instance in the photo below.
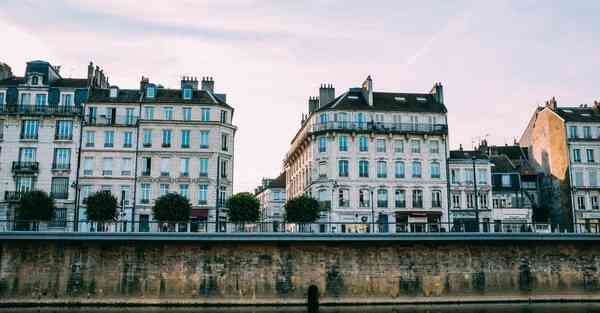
(291, 237)
(24, 302)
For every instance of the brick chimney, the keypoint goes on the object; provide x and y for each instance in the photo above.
(551, 104)
(313, 104)
(596, 105)
(367, 90)
(208, 84)
(143, 83)
(5, 71)
(326, 94)
(189, 82)
(438, 92)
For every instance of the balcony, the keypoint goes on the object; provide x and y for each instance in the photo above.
(60, 195)
(40, 110)
(25, 167)
(325, 205)
(61, 166)
(368, 127)
(63, 137)
(12, 196)
(102, 120)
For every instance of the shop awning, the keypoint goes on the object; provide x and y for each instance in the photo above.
(200, 213)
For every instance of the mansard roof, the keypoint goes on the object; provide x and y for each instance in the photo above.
(15, 81)
(354, 100)
(163, 95)
(579, 114)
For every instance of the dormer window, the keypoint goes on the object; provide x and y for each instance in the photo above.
(187, 93)
(402, 99)
(150, 92)
(114, 92)
(421, 99)
(34, 80)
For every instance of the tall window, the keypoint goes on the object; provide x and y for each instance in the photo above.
(416, 169)
(88, 166)
(587, 132)
(382, 198)
(380, 145)
(343, 143)
(163, 189)
(60, 188)
(125, 166)
(400, 201)
(148, 113)
(67, 99)
(27, 155)
(581, 202)
(147, 134)
(224, 142)
(417, 198)
(322, 144)
(166, 138)
(146, 166)
(363, 144)
(205, 114)
(415, 146)
(469, 176)
(204, 139)
(593, 176)
(129, 118)
(470, 200)
(29, 129)
(40, 100)
(202, 194)
(363, 168)
(1, 98)
(146, 193)
(576, 155)
(482, 176)
(187, 114)
(167, 113)
(456, 200)
(399, 146)
(127, 139)
(185, 167)
(436, 199)
(109, 139)
(183, 190)
(323, 118)
(381, 169)
(187, 93)
(62, 159)
(435, 169)
(343, 168)
(223, 116)
(343, 198)
(164, 166)
(483, 200)
(364, 198)
(400, 170)
(455, 176)
(223, 168)
(203, 167)
(590, 155)
(579, 178)
(107, 166)
(25, 99)
(64, 130)
(185, 138)
(150, 91)
(572, 131)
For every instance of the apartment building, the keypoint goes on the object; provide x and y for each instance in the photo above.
(271, 195)
(142, 143)
(563, 142)
(372, 157)
(40, 123)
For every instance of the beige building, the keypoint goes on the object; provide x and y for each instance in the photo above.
(271, 195)
(372, 157)
(143, 143)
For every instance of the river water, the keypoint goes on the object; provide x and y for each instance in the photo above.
(471, 308)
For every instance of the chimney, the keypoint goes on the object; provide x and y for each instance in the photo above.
(438, 92)
(143, 83)
(208, 84)
(326, 94)
(5, 71)
(551, 104)
(367, 90)
(189, 82)
(313, 104)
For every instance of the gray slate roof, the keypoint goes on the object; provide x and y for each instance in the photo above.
(386, 101)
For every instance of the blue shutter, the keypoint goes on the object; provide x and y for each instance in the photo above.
(80, 96)
(12, 95)
(53, 96)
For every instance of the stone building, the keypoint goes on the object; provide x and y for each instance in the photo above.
(376, 157)
(146, 142)
(40, 123)
(271, 195)
(563, 142)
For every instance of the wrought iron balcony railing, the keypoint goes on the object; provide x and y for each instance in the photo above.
(40, 109)
(381, 127)
(25, 166)
(61, 166)
(119, 120)
(12, 195)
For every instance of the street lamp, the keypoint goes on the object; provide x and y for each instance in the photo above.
(372, 189)
(334, 186)
(475, 190)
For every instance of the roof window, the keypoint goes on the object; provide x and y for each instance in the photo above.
(586, 114)
(150, 92)
(187, 93)
(352, 97)
(422, 99)
(114, 92)
(400, 99)
(568, 110)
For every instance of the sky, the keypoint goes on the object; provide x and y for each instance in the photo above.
(497, 60)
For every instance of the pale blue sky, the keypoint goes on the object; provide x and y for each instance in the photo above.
(496, 59)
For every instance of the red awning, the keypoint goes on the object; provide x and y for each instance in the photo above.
(200, 213)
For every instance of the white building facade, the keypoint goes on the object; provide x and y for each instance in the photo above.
(272, 196)
(373, 159)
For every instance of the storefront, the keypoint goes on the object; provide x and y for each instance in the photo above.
(418, 222)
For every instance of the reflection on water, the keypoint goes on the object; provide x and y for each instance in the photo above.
(471, 308)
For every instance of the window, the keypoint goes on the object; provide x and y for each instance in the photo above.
(64, 130)
(187, 93)
(343, 168)
(470, 200)
(150, 92)
(364, 198)
(166, 138)
(469, 176)
(399, 169)
(343, 198)
(482, 176)
(125, 166)
(343, 143)
(109, 138)
(146, 166)
(380, 145)
(594, 200)
(572, 131)
(185, 138)
(363, 168)
(62, 159)
(129, 118)
(168, 113)
(323, 118)
(203, 167)
(147, 138)
(27, 155)
(205, 116)
(90, 138)
(590, 155)
(400, 201)
(202, 194)
(322, 144)
(483, 200)
(67, 99)
(148, 113)
(435, 169)
(456, 200)
(593, 176)
(382, 198)
(88, 166)
(415, 146)
(323, 169)
(29, 129)
(124, 195)
(434, 147)
(417, 198)
(40, 100)
(436, 199)
(416, 169)
(164, 166)
(127, 139)
(399, 146)
(587, 132)
(576, 155)
(107, 166)
(381, 169)
(114, 92)
(223, 116)
(363, 144)
(163, 189)
(86, 190)
(24, 183)
(455, 176)
(25, 99)
(34, 80)
(146, 192)
(580, 202)
(185, 167)
(187, 114)
(579, 179)
(506, 180)
(223, 168)
(183, 190)
(1, 98)
(204, 139)
(224, 141)
(59, 188)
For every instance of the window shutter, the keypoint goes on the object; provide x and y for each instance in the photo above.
(80, 96)
(12, 96)
(53, 96)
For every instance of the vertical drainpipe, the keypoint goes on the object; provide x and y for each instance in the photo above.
(135, 171)
(448, 198)
(77, 192)
(571, 193)
(217, 209)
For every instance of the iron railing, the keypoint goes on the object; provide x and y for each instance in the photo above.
(41, 109)
(381, 127)
(119, 120)
(25, 166)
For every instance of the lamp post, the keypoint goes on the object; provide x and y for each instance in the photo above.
(334, 186)
(372, 210)
(475, 190)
